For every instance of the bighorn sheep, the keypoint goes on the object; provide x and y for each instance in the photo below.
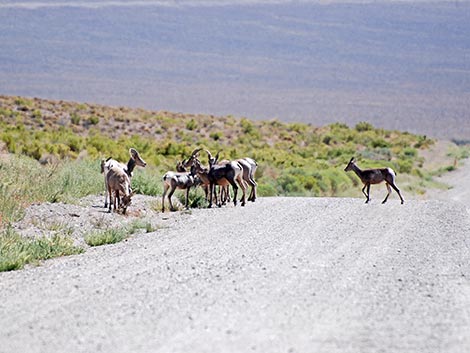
(249, 168)
(118, 184)
(374, 176)
(128, 168)
(178, 180)
(227, 173)
(188, 163)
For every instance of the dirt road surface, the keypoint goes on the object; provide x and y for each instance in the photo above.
(280, 275)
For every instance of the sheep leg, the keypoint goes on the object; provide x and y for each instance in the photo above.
(253, 185)
(187, 197)
(398, 192)
(206, 191)
(235, 191)
(106, 193)
(366, 194)
(110, 193)
(117, 200)
(165, 189)
(389, 190)
(242, 184)
(170, 194)
(211, 193)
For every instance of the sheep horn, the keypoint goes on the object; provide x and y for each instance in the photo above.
(195, 152)
(209, 155)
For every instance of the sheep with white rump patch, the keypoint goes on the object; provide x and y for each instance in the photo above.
(107, 164)
(119, 185)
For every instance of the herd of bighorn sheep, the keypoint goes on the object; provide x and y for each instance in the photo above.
(239, 173)
(225, 173)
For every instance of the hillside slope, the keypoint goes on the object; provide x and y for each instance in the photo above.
(279, 275)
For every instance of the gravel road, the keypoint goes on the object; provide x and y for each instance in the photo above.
(279, 275)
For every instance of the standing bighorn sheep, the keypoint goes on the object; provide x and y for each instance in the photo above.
(188, 163)
(249, 166)
(178, 180)
(128, 168)
(118, 184)
(375, 176)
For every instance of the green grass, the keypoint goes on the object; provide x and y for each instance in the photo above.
(17, 251)
(139, 225)
(26, 181)
(108, 236)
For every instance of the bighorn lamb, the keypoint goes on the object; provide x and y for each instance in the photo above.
(375, 176)
(128, 168)
(178, 180)
(118, 184)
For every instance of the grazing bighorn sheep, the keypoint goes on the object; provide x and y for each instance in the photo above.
(375, 176)
(178, 180)
(228, 173)
(118, 184)
(128, 168)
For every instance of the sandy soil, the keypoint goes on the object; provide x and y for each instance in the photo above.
(279, 275)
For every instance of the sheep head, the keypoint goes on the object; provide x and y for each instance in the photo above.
(136, 157)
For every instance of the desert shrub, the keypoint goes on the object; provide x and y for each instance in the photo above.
(216, 135)
(404, 166)
(191, 125)
(379, 143)
(36, 114)
(409, 152)
(247, 126)
(75, 118)
(93, 120)
(364, 126)
(266, 189)
(147, 182)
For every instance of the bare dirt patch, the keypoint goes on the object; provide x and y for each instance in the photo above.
(88, 215)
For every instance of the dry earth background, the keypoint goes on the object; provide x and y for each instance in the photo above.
(279, 275)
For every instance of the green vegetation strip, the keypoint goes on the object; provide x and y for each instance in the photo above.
(109, 236)
(16, 251)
